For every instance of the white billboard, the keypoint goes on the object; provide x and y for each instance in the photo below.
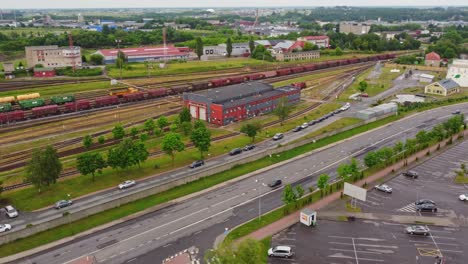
(355, 192)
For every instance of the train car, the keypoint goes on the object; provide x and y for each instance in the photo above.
(45, 110)
(283, 72)
(270, 74)
(132, 97)
(218, 82)
(78, 105)
(199, 85)
(353, 60)
(155, 93)
(373, 58)
(321, 65)
(297, 69)
(9, 117)
(363, 59)
(236, 79)
(29, 104)
(5, 107)
(300, 85)
(106, 100)
(62, 99)
(28, 96)
(332, 63)
(343, 62)
(255, 76)
(178, 89)
(119, 92)
(310, 67)
(7, 99)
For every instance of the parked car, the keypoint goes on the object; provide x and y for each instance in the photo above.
(62, 204)
(364, 95)
(411, 174)
(424, 201)
(305, 125)
(280, 251)
(297, 129)
(457, 112)
(417, 230)
(321, 119)
(278, 136)
(337, 111)
(313, 122)
(126, 184)
(463, 197)
(275, 183)
(10, 211)
(426, 207)
(4, 228)
(383, 188)
(197, 163)
(248, 147)
(235, 151)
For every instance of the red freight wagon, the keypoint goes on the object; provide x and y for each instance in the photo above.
(178, 89)
(332, 63)
(157, 92)
(200, 85)
(235, 80)
(106, 100)
(131, 97)
(269, 74)
(11, 116)
(300, 85)
(218, 82)
(283, 72)
(310, 67)
(255, 76)
(44, 110)
(78, 105)
(297, 69)
(352, 61)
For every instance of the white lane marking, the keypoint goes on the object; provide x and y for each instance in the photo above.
(448, 250)
(133, 259)
(355, 253)
(363, 245)
(339, 255)
(349, 250)
(445, 244)
(449, 238)
(234, 197)
(361, 238)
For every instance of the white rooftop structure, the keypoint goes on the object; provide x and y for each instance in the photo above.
(458, 71)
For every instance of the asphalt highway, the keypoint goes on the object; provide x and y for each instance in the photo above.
(198, 221)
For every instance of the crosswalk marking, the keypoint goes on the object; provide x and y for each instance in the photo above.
(410, 208)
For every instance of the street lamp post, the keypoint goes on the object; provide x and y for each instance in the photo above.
(259, 201)
(118, 41)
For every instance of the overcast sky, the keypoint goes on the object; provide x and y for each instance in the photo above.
(23, 4)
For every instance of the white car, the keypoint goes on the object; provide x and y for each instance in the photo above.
(4, 227)
(280, 251)
(305, 125)
(345, 107)
(11, 211)
(126, 184)
(463, 197)
(384, 188)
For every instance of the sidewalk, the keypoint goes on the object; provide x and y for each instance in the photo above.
(292, 219)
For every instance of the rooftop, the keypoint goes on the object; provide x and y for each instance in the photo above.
(448, 84)
(432, 56)
(315, 37)
(234, 92)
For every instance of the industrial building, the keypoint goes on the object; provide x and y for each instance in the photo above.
(377, 111)
(222, 106)
(458, 71)
(53, 56)
(238, 50)
(293, 56)
(158, 53)
(444, 87)
(355, 28)
(320, 41)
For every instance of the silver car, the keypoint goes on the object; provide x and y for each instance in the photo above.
(384, 188)
(126, 184)
(4, 227)
(280, 251)
(418, 230)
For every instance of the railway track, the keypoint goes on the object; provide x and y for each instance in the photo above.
(26, 84)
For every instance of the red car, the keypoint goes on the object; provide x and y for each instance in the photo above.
(364, 95)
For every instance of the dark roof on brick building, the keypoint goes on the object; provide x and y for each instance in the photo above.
(235, 92)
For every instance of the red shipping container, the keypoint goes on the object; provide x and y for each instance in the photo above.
(310, 67)
(300, 85)
(255, 76)
(269, 74)
(218, 82)
(297, 69)
(106, 100)
(283, 72)
(78, 105)
(157, 92)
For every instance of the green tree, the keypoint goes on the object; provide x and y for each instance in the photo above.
(139, 152)
(149, 125)
(44, 168)
(96, 59)
(282, 110)
(308, 46)
(261, 53)
(251, 129)
(118, 132)
(134, 132)
(248, 251)
(101, 139)
(362, 86)
(122, 56)
(83, 59)
(87, 141)
(198, 123)
(450, 53)
(288, 197)
(229, 47)
(299, 191)
(144, 137)
(347, 171)
(186, 128)
(184, 115)
(199, 47)
(338, 51)
(162, 122)
(201, 139)
(322, 182)
(251, 45)
(171, 144)
(89, 163)
(371, 159)
(438, 132)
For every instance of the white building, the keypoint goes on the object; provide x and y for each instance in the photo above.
(458, 71)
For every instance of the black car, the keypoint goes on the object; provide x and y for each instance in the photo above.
(321, 119)
(337, 111)
(426, 207)
(249, 147)
(457, 112)
(274, 183)
(313, 122)
(424, 201)
(197, 163)
(411, 174)
(235, 151)
(297, 129)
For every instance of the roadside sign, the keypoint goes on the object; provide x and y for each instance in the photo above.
(355, 191)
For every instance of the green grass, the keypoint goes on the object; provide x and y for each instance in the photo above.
(351, 209)
(460, 179)
(338, 124)
(309, 77)
(266, 243)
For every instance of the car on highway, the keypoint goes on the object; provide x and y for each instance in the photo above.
(411, 174)
(127, 184)
(364, 95)
(417, 230)
(278, 136)
(463, 197)
(305, 125)
(197, 163)
(424, 201)
(280, 251)
(62, 204)
(313, 122)
(337, 111)
(4, 228)
(457, 112)
(275, 183)
(297, 129)
(248, 147)
(321, 119)
(426, 207)
(235, 151)
(10, 211)
(383, 188)
(345, 107)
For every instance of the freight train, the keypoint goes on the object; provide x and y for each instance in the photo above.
(39, 107)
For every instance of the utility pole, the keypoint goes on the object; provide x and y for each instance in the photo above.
(118, 52)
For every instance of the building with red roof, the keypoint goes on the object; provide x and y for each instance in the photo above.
(432, 59)
(320, 41)
(142, 54)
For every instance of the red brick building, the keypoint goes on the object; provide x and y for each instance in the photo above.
(432, 59)
(320, 41)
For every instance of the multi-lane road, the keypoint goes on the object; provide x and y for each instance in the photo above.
(199, 220)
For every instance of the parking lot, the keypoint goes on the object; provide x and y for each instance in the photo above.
(383, 241)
